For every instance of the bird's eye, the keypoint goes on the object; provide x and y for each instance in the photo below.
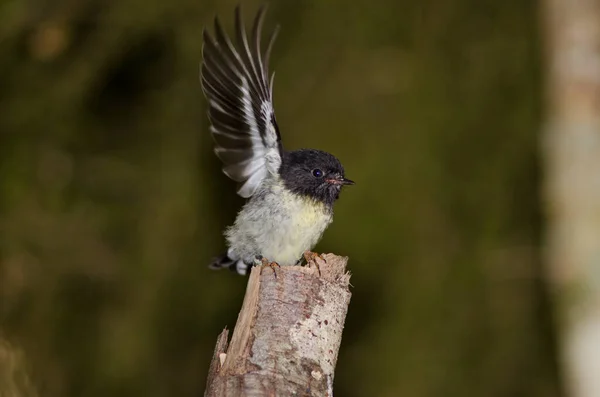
(317, 173)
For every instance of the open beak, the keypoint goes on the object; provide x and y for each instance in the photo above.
(340, 181)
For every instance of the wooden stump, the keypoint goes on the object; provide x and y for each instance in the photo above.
(287, 335)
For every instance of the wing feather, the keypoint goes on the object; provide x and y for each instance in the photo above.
(235, 80)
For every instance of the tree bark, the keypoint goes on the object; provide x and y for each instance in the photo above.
(287, 335)
(572, 160)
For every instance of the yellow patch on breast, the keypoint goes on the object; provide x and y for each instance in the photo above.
(299, 230)
(289, 225)
(306, 211)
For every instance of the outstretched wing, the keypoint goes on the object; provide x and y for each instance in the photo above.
(240, 95)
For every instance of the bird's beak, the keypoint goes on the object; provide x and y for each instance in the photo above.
(340, 180)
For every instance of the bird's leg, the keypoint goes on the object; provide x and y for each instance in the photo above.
(310, 256)
(264, 262)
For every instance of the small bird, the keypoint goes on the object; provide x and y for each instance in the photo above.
(290, 193)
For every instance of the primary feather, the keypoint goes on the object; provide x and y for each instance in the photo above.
(235, 80)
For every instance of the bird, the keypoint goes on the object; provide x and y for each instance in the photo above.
(289, 194)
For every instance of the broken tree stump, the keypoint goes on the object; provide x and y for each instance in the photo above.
(287, 335)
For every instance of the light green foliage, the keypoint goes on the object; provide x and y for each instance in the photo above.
(112, 202)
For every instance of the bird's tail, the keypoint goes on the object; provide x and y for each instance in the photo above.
(226, 261)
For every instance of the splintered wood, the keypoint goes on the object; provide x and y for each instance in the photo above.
(288, 332)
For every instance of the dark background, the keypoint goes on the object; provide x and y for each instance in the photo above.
(112, 201)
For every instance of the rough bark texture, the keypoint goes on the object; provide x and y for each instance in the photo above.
(287, 335)
(572, 159)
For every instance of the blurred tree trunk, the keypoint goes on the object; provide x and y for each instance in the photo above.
(14, 377)
(572, 155)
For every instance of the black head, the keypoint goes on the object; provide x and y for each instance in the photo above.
(313, 173)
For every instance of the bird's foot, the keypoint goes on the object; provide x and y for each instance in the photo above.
(264, 262)
(311, 257)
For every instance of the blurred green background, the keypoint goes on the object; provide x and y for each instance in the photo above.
(112, 201)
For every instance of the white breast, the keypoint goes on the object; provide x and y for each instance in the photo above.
(278, 225)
